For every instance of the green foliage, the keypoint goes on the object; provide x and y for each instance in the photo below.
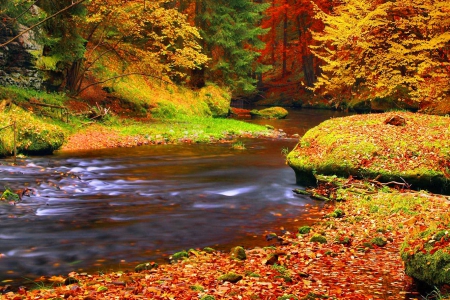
(230, 29)
(7, 195)
(238, 145)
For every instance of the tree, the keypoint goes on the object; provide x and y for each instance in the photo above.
(143, 38)
(231, 34)
(376, 49)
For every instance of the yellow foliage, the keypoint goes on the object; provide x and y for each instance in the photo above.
(371, 49)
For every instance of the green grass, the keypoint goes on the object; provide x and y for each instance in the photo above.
(197, 129)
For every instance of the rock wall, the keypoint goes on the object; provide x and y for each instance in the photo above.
(17, 63)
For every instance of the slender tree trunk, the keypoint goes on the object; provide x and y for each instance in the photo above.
(285, 27)
(75, 76)
(198, 75)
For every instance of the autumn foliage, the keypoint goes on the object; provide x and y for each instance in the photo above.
(377, 49)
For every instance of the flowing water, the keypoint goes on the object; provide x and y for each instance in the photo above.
(111, 209)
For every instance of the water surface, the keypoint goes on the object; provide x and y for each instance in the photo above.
(112, 208)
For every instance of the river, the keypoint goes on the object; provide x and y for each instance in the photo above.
(113, 208)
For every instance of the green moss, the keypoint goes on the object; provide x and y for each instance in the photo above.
(209, 250)
(198, 288)
(179, 256)
(34, 136)
(270, 113)
(252, 274)
(7, 195)
(433, 269)
(354, 146)
(146, 266)
(337, 213)
(288, 297)
(317, 238)
(379, 241)
(238, 253)
(231, 277)
(304, 229)
(207, 297)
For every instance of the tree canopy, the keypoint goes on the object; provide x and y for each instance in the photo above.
(377, 49)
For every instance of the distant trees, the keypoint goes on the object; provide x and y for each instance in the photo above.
(352, 48)
(386, 48)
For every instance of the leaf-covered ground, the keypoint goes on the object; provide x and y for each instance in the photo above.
(359, 258)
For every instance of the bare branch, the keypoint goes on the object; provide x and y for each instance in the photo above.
(39, 23)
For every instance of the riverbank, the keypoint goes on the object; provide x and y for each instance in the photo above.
(353, 253)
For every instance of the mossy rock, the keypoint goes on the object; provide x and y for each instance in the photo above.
(317, 238)
(288, 297)
(217, 99)
(146, 266)
(379, 241)
(34, 136)
(209, 250)
(270, 113)
(197, 288)
(337, 213)
(426, 255)
(207, 297)
(231, 277)
(179, 256)
(364, 146)
(304, 229)
(238, 253)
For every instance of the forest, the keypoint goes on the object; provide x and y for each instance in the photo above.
(358, 97)
(346, 51)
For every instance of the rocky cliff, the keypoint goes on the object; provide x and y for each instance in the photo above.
(18, 58)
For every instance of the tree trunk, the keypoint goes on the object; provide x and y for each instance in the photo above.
(285, 25)
(75, 76)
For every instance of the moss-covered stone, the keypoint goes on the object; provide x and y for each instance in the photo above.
(209, 249)
(364, 146)
(337, 213)
(288, 297)
(304, 229)
(198, 288)
(238, 252)
(317, 238)
(426, 254)
(379, 241)
(34, 136)
(231, 277)
(207, 297)
(179, 256)
(270, 113)
(146, 266)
